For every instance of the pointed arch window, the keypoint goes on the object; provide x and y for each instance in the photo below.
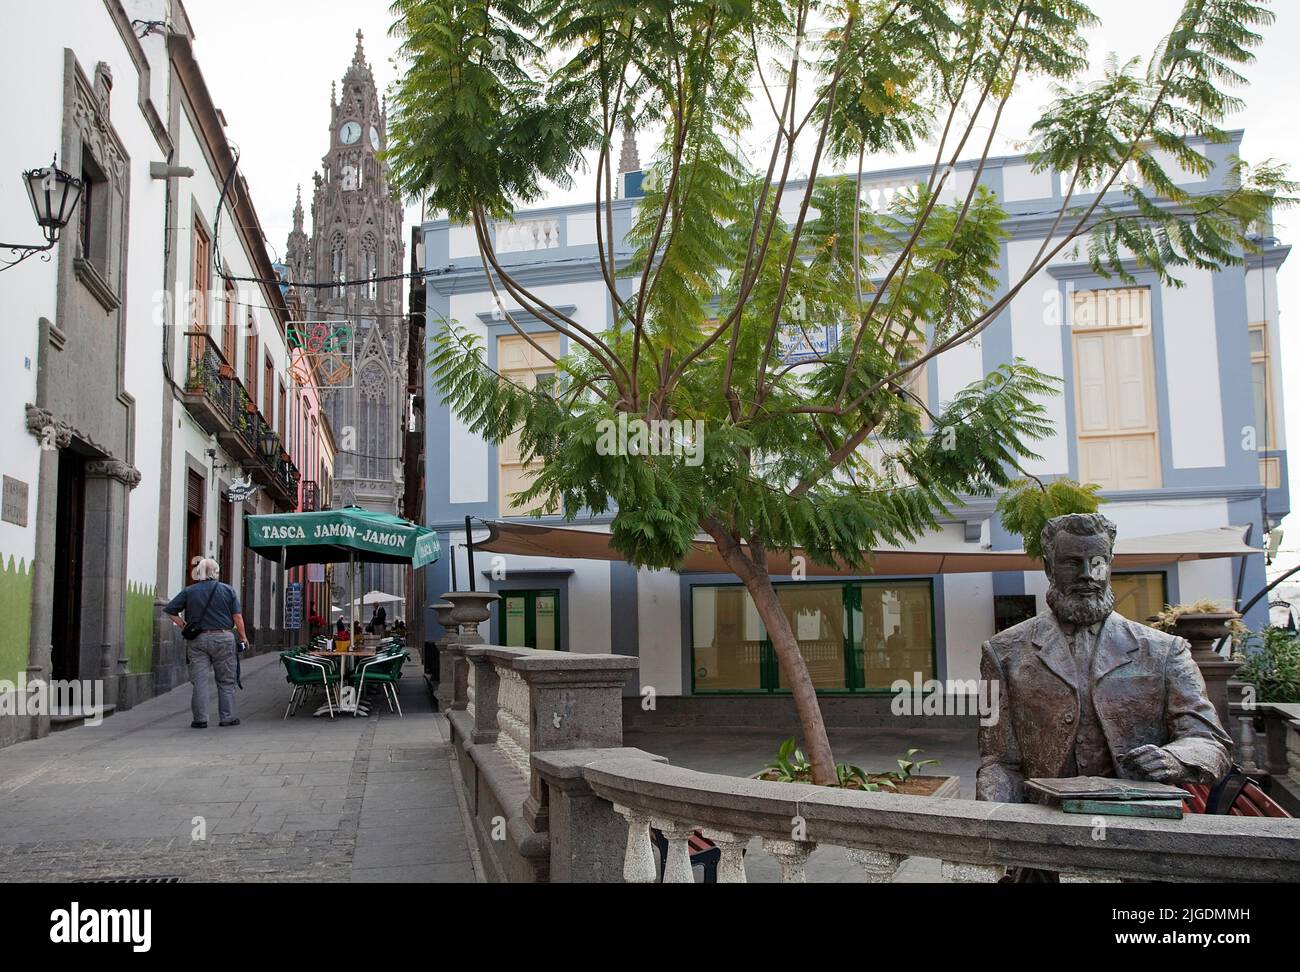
(338, 264)
(370, 266)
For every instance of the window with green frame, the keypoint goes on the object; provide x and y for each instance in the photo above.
(530, 619)
(854, 637)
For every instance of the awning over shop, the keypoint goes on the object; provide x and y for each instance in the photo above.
(935, 556)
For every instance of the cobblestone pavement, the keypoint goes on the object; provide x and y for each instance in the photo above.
(307, 799)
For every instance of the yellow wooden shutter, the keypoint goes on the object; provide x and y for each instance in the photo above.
(1115, 389)
(522, 363)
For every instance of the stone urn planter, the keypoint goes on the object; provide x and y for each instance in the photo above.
(1204, 629)
(469, 610)
(442, 611)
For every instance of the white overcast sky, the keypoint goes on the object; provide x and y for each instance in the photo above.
(269, 66)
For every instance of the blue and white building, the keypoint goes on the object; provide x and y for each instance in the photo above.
(1172, 401)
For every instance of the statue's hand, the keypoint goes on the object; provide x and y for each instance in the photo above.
(1154, 763)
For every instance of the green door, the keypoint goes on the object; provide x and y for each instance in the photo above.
(531, 619)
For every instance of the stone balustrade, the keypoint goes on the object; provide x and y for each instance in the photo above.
(526, 703)
(554, 796)
(976, 841)
(516, 236)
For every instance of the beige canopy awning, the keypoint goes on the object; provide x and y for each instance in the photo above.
(930, 557)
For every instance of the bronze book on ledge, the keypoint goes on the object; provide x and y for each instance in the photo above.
(1105, 788)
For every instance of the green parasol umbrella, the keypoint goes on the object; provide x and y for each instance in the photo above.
(338, 536)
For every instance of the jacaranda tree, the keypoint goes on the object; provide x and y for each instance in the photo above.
(838, 455)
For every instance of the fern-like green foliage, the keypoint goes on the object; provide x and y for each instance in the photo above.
(1027, 505)
(726, 258)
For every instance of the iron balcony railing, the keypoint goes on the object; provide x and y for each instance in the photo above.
(208, 381)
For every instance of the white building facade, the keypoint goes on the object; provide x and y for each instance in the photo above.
(114, 426)
(1172, 401)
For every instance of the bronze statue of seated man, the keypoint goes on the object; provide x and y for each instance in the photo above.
(1087, 692)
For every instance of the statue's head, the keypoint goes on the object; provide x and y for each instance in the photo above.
(1077, 552)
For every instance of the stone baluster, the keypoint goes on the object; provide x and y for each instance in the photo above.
(639, 858)
(879, 866)
(1293, 750)
(1246, 742)
(963, 873)
(677, 865)
(483, 694)
(731, 862)
(792, 856)
(512, 718)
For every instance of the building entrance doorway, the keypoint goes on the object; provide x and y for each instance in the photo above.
(69, 543)
(532, 619)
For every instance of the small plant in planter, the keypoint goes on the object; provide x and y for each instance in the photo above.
(791, 766)
(1167, 620)
(1271, 662)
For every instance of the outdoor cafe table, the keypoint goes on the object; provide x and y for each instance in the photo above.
(353, 703)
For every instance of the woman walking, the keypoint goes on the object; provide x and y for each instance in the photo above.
(211, 609)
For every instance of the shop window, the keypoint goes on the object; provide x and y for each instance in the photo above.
(1139, 596)
(860, 636)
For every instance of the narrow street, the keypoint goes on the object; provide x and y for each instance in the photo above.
(307, 799)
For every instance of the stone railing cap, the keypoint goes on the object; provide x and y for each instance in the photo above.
(1199, 846)
(569, 763)
(559, 661)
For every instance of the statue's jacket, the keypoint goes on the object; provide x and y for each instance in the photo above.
(1146, 689)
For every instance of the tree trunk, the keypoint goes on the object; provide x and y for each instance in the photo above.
(794, 670)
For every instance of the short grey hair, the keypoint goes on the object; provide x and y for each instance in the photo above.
(205, 568)
(1079, 524)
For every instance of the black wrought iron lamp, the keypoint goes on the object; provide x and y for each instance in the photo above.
(269, 442)
(54, 195)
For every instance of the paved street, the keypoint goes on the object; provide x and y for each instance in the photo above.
(308, 799)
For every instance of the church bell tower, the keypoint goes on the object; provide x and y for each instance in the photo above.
(356, 241)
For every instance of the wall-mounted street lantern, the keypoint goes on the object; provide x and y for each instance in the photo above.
(54, 195)
(270, 443)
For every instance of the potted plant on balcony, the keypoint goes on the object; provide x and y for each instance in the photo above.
(198, 377)
(225, 371)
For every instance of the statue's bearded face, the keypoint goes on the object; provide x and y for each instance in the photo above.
(1078, 574)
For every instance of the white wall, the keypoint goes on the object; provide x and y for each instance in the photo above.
(659, 630)
(1192, 363)
(968, 621)
(1019, 182)
(33, 73)
(1036, 334)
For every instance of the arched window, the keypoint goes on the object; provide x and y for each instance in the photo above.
(370, 266)
(374, 412)
(338, 264)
